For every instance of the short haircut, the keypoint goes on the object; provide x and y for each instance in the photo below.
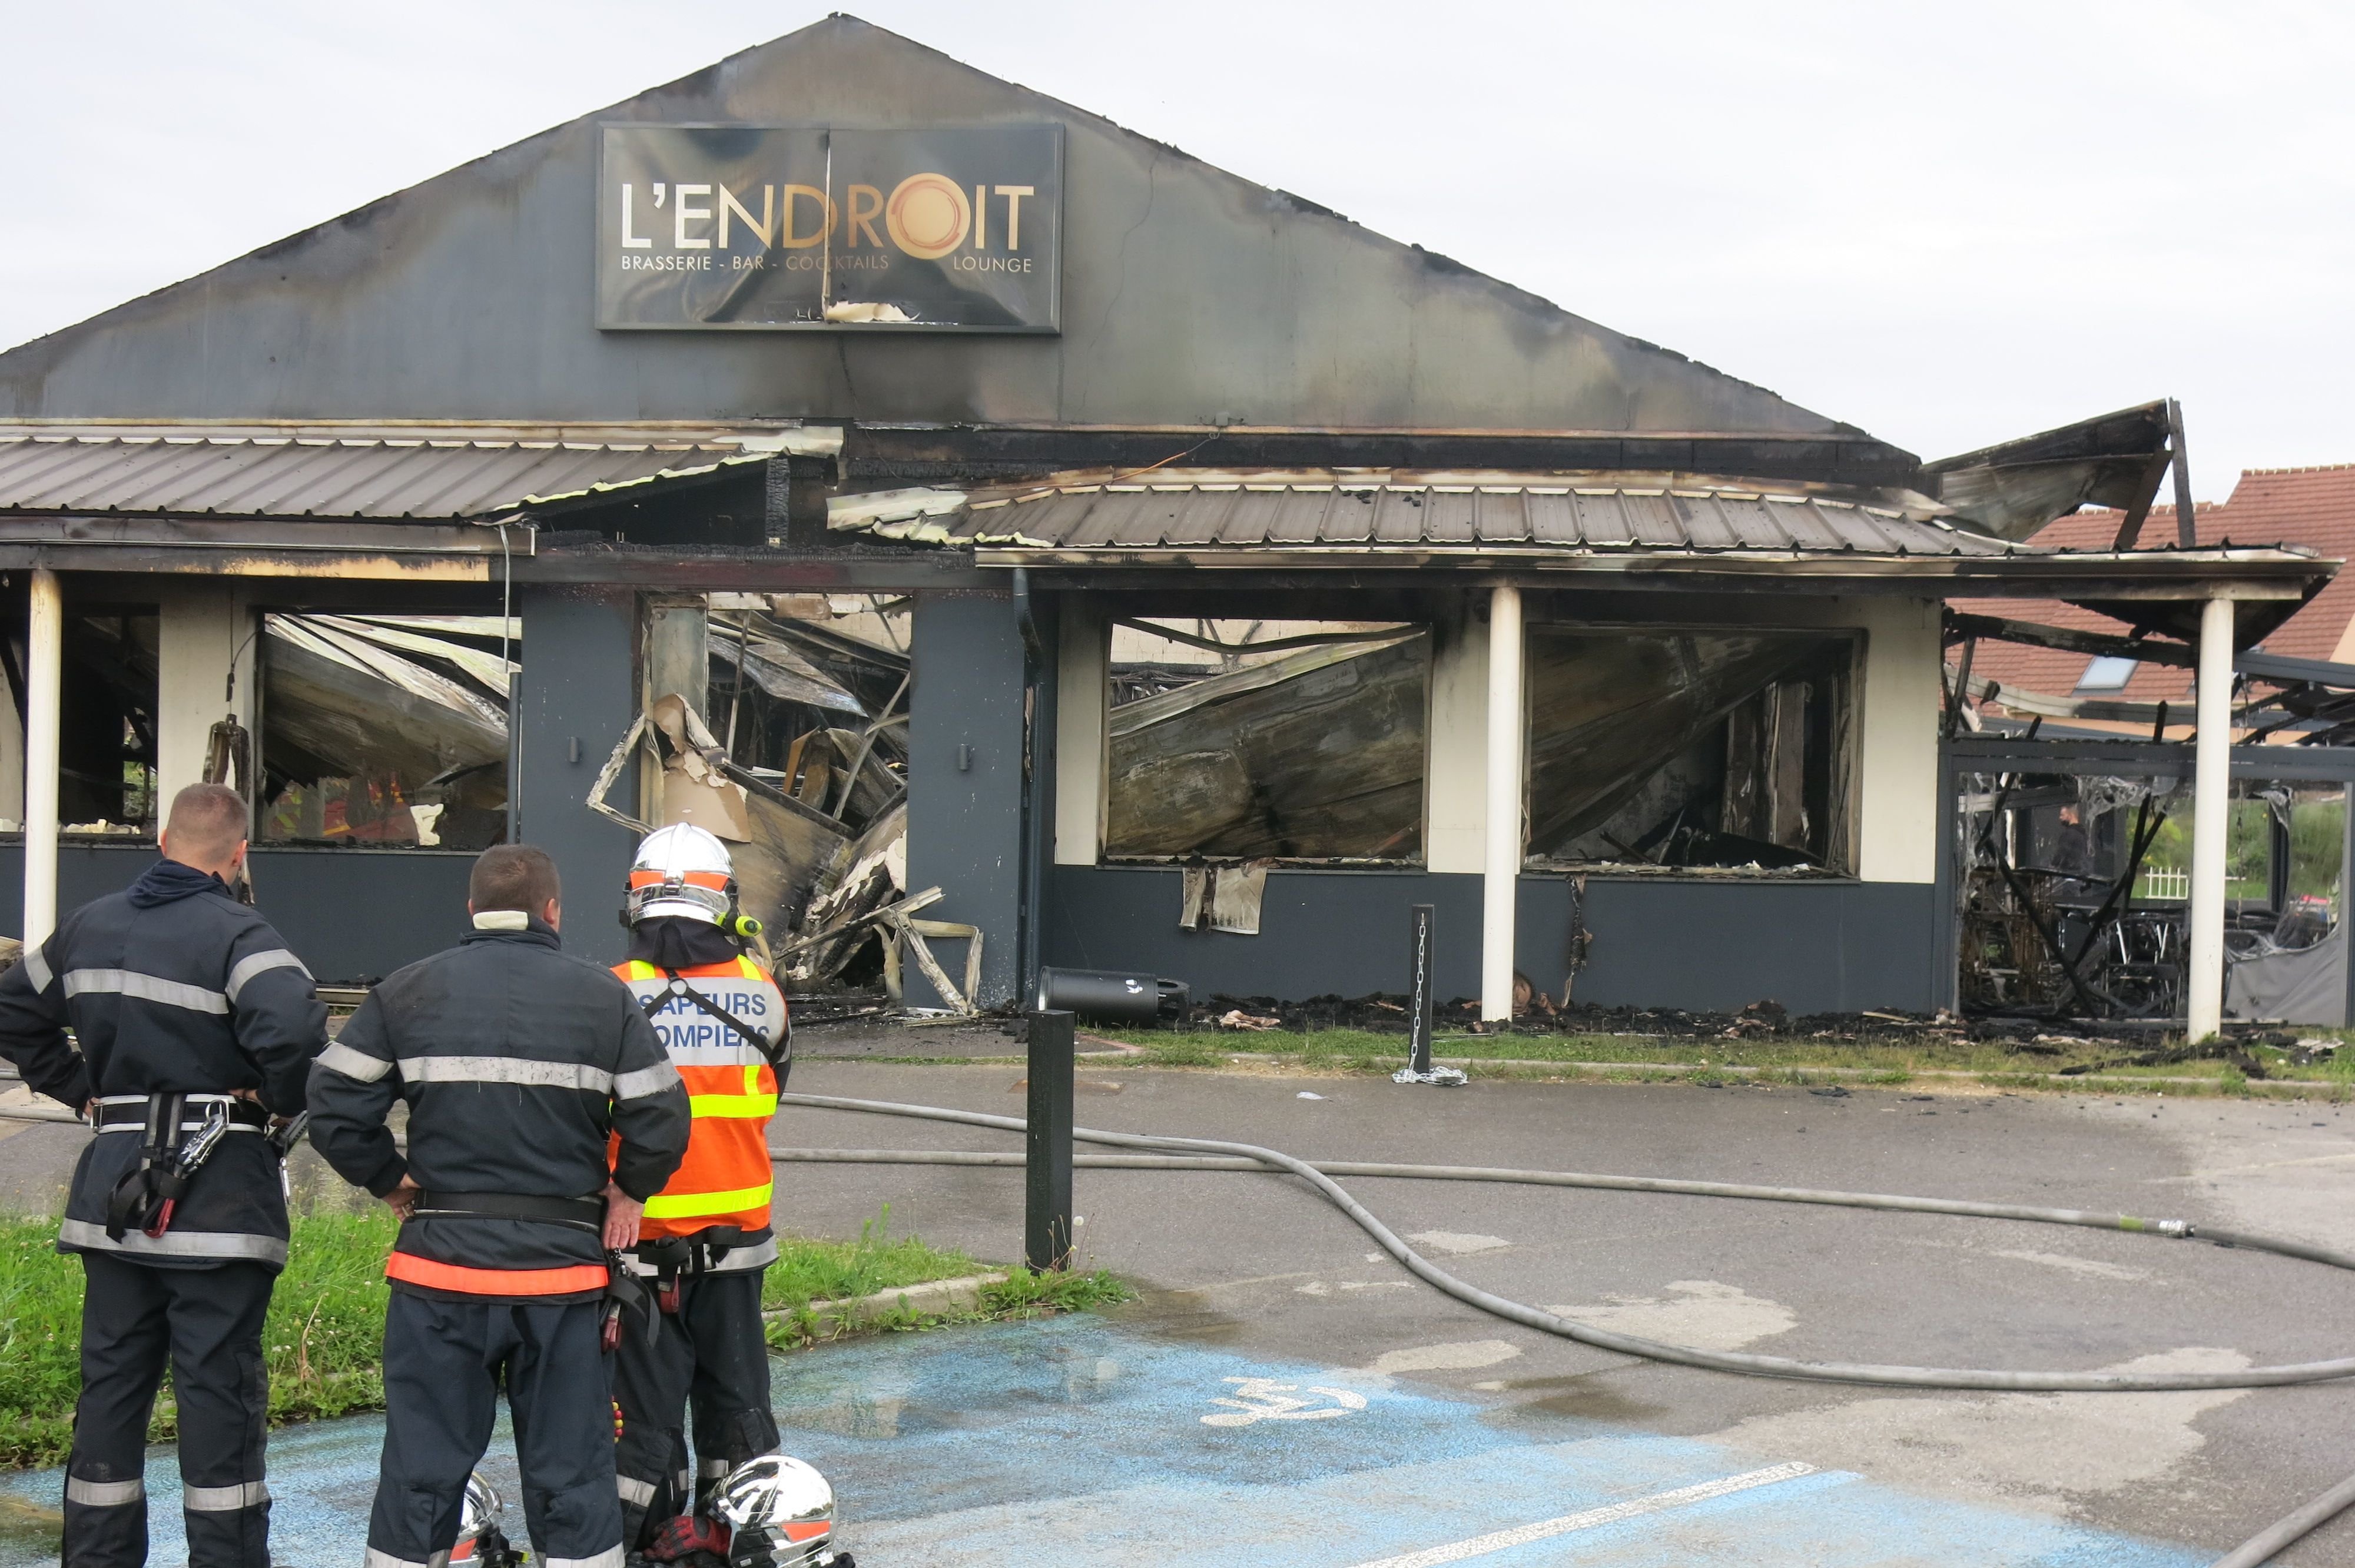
(208, 821)
(513, 876)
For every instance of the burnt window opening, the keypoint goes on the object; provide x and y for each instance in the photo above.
(385, 730)
(1250, 740)
(1660, 751)
(106, 729)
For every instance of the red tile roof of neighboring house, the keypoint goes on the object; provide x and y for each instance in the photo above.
(2314, 507)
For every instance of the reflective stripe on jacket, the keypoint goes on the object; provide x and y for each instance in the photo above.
(188, 992)
(726, 1177)
(526, 1073)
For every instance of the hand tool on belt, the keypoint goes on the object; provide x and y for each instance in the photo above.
(780, 1057)
(168, 1162)
(673, 1258)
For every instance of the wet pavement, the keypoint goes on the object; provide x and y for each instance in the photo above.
(1280, 1395)
(1083, 1443)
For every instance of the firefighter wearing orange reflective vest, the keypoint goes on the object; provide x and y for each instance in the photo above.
(705, 1243)
(542, 1113)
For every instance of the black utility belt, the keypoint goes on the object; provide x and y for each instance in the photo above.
(586, 1213)
(128, 1113)
(697, 1254)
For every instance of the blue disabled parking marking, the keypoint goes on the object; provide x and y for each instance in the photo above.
(1080, 1443)
(1076, 1442)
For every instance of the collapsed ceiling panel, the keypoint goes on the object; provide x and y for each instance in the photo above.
(1317, 755)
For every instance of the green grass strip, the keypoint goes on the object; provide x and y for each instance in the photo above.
(326, 1333)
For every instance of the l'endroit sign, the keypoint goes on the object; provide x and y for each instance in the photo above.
(735, 227)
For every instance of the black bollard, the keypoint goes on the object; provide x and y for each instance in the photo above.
(1047, 1145)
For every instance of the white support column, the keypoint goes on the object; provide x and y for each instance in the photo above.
(44, 681)
(2211, 785)
(1502, 864)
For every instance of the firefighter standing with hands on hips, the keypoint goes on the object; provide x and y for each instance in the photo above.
(541, 1114)
(195, 1023)
(706, 1242)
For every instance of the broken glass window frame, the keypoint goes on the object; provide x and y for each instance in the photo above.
(1629, 764)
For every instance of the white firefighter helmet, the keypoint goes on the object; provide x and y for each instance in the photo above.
(681, 870)
(782, 1505)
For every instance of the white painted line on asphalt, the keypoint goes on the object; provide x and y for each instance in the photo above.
(1544, 1529)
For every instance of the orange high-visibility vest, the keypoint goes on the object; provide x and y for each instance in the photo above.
(726, 1177)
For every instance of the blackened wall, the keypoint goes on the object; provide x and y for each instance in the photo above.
(349, 913)
(1814, 946)
(965, 781)
(579, 696)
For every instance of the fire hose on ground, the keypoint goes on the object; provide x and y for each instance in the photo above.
(1208, 1154)
(1214, 1155)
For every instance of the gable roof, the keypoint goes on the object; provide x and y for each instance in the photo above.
(1192, 298)
(2312, 507)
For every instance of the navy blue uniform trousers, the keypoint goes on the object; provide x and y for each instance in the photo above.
(207, 1323)
(714, 1353)
(444, 1364)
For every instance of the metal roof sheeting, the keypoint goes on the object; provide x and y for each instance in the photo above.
(1180, 511)
(421, 477)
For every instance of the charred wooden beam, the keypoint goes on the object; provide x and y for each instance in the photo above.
(2070, 639)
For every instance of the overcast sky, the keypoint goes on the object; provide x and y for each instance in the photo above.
(1949, 225)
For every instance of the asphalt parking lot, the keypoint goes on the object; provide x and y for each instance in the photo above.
(1280, 1393)
(1256, 1268)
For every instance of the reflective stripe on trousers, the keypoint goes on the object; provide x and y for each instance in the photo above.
(224, 1499)
(103, 1494)
(375, 1559)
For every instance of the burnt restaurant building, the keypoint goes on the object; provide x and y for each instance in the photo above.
(1029, 546)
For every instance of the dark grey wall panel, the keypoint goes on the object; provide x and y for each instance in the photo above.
(349, 914)
(580, 683)
(1320, 931)
(1190, 296)
(963, 821)
(1821, 947)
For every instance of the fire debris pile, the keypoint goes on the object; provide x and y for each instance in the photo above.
(802, 767)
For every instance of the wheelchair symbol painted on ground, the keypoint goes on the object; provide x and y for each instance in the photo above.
(1260, 1399)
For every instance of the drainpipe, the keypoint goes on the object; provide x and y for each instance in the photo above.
(2212, 788)
(44, 678)
(1502, 863)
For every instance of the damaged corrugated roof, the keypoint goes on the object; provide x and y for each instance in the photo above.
(1174, 509)
(435, 474)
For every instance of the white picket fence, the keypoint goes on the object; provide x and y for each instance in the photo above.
(2162, 883)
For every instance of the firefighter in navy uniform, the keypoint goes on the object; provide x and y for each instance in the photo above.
(195, 1024)
(518, 1064)
(705, 1245)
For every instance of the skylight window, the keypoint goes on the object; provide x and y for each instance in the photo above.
(2108, 674)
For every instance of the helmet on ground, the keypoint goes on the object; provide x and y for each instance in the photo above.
(681, 870)
(481, 1543)
(783, 1512)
